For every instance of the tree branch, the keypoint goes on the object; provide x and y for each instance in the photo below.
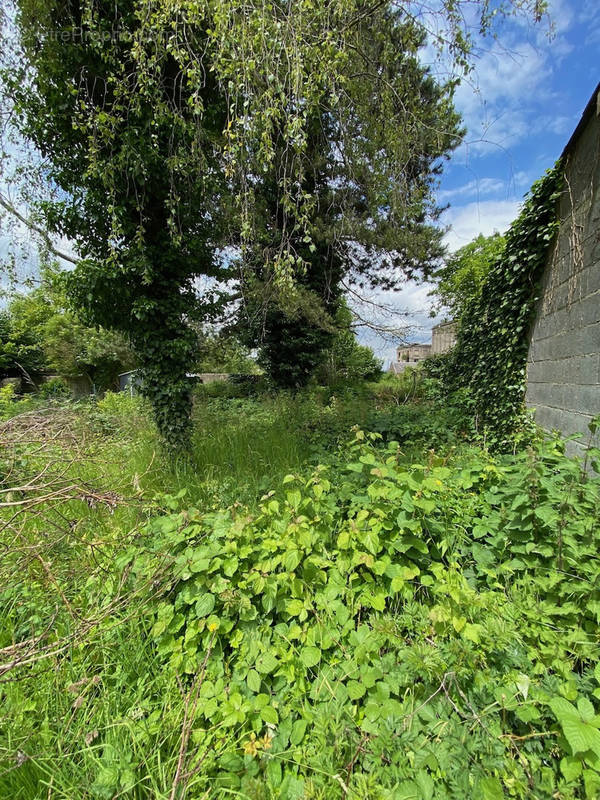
(8, 206)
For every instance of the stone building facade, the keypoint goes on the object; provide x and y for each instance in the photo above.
(563, 369)
(413, 353)
(443, 339)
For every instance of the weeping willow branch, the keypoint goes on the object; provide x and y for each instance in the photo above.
(32, 226)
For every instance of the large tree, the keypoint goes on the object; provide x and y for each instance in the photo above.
(461, 277)
(370, 169)
(134, 152)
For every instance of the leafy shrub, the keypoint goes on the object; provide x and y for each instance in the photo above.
(236, 386)
(10, 403)
(397, 389)
(117, 411)
(370, 606)
(54, 389)
(409, 619)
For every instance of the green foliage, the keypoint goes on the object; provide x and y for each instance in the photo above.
(10, 404)
(293, 341)
(167, 127)
(346, 360)
(54, 389)
(414, 618)
(490, 355)
(39, 335)
(21, 348)
(334, 625)
(461, 279)
(212, 141)
(137, 178)
(223, 353)
(301, 346)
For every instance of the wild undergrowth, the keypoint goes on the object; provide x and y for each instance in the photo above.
(302, 610)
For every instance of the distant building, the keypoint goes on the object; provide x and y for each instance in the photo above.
(443, 339)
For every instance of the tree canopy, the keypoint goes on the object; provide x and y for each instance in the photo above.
(461, 278)
(39, 335)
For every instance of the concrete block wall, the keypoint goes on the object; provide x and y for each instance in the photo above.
(563, 369)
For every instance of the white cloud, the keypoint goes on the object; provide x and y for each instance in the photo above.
(559, 125)
(484, 217)
(522, 179)
(475, 188)
(511, 82)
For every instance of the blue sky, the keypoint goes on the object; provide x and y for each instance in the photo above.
(520, 106)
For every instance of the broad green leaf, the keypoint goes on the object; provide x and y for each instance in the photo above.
(491, 789)
(198, 564)
(253, 680)
(425, 784)
(310, 656)
(274, 772)
(355, 690)
(205, 605)
(371, 541)
(580, 735)
(571, 767)
(377, 601)
(266, 663)
(586, 709)
(270, 715)
(294, 607)
(591, 782)
(294, 498)
(472, 632)
(407, 790)
(291, 559)
(298, 731)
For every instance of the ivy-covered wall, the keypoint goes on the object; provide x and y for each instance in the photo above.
(563, 364)
(488, 362)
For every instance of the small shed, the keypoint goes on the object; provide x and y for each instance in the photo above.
(130, 381)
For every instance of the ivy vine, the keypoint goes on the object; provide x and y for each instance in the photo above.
(490, 357)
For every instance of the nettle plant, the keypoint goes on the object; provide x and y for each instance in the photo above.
(370, 607)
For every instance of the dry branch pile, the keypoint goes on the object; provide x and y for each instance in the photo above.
(53, 503)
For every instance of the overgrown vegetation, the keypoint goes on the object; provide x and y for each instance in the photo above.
(39, 335)
(460, 279)
(340, 590)
(489, 359)
(306, 143)
(307, 611)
